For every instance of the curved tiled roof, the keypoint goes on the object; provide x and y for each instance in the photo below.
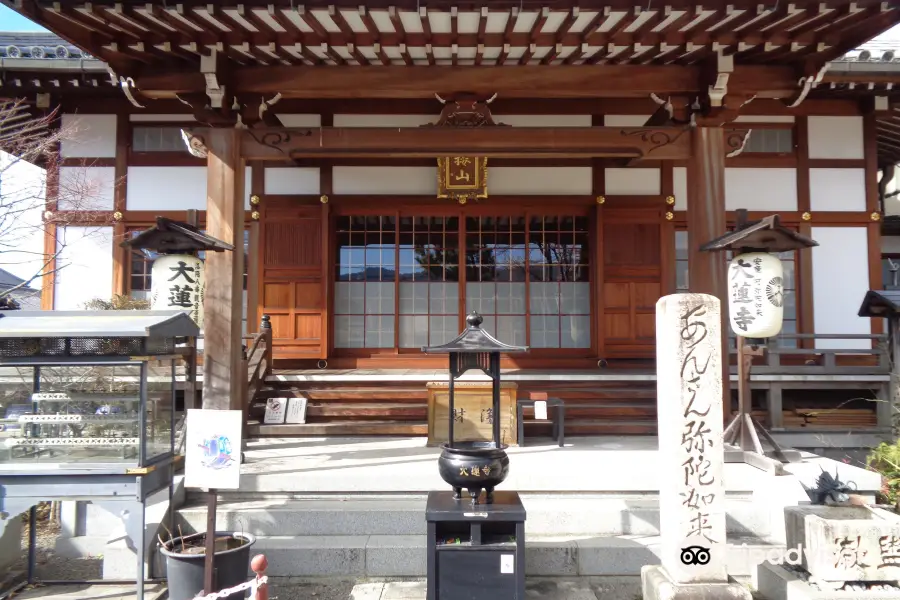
(884, 48)
(37, 45)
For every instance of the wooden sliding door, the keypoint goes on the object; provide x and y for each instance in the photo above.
(631, 250)
(294, 291)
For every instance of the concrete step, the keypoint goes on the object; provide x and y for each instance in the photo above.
(557, 556)
(559, 514)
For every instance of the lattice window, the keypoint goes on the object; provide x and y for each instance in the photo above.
(157, 139)
(365, 282)
(770, 141)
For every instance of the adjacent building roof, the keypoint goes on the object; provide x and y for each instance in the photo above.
(97, 324)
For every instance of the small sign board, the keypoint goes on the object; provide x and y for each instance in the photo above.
(540, 410)
(275, 411)
(296, 410)
(212, 457)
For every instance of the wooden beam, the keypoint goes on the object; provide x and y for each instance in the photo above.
(659, 143)
(224, 272)
(562, 81)
(706, 221)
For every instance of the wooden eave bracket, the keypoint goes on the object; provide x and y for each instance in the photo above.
(209, 67)
(718, 90)
(807, 83)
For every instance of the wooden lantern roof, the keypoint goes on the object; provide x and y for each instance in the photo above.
(174, 237)
(764, 235)
(880, 303)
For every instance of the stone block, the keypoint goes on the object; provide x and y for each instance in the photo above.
(313, 556)
(614, 556)
(404, 590)
(656, 584)
(551, 557)
(11, 543)
(775, 582)
(396, 556)
(845, 543)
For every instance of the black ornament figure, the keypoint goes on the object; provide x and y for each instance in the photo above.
(474, 466)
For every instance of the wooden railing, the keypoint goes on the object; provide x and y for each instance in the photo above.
(872, 357)
(257, 363)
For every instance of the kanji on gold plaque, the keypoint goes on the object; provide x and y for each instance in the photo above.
(462, 177)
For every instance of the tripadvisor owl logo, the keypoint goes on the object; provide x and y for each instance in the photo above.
(695, 555)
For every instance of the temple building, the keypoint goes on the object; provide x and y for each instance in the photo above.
(389, 169)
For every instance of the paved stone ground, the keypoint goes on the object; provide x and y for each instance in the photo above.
(575, 588)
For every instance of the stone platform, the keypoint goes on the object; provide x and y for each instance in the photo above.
(775, 582)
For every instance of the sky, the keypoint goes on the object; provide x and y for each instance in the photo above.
(10, 20)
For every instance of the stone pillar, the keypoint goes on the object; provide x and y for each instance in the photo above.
(691, 456)
(222, 303)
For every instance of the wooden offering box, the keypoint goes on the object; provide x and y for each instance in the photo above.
(472, 411)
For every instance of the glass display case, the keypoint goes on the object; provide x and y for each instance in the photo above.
(102, 388)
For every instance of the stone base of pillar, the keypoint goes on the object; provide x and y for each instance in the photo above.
(657, 585)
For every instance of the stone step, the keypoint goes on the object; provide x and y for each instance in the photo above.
(557, 556)
(560, 514)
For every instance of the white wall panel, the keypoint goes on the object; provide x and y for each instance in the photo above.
(160, 118)
(172, 188)
(836, 137)
(386, 180)
(890, 244)
(760, 189)
(85, 263)
(383, 120)
(539, 180)
(87, 188)
(837, 189)
(765, 119)
(544, 120)
(301, 120)
(625, 120)
(292, 180)
(88, 136)
(840, 282)
(632, 182)
(679, 183)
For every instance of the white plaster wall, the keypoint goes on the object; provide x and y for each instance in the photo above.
(88, 136)
(159, 118)
(544, 120)
(840, 273)
(836, 137)
(87, 188)
(760, 189)
(561, 181)
(837, 189)
(292, 180)
(632, 181)
(625, 120)
(765, 119)
(23, 185)
(301, 120)
(679, 184)
(172, 188)
(85, 266)
(890, 244)
(383, 120)
(386, 180)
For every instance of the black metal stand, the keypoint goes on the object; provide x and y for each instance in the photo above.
(476, 552)
(742, 436)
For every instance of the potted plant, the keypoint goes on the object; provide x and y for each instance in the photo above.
(186, 560)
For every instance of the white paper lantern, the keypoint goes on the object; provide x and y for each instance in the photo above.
(177, 282)
(756, 295)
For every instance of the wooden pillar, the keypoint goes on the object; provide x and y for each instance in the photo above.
(705, 222)
(121, 256)
(224, 272)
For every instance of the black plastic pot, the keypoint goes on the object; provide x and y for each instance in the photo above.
(184, 572)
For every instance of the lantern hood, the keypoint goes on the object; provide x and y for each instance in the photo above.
(175, 237)
(765, 235)
(473, 339)
(880, 303)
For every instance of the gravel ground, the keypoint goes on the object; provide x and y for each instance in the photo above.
(289, 588)
(49, 565)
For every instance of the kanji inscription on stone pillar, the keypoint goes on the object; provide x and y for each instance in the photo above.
(691, 456)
